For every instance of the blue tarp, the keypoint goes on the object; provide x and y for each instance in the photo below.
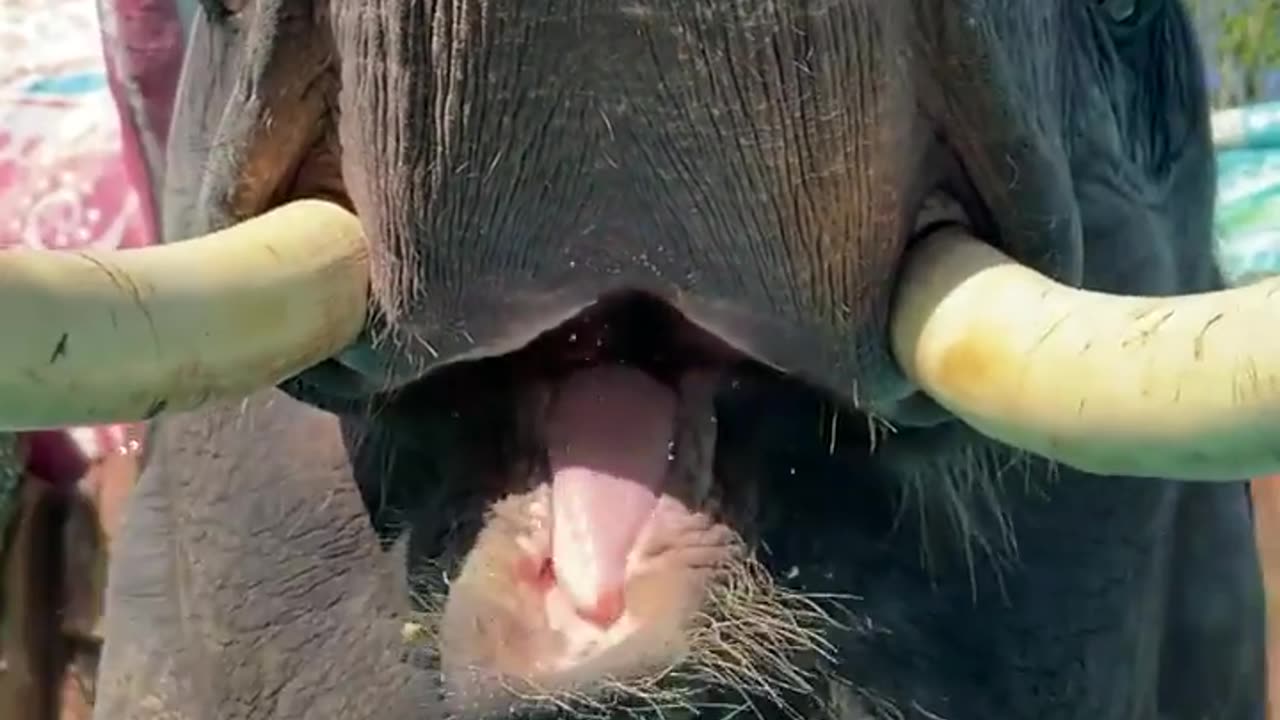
(1247, 220)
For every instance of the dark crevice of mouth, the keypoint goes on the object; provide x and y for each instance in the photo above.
(626, 328)
(629, 328)
(632, 329)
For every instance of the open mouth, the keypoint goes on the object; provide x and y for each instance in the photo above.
(612, 463)
(613, 541)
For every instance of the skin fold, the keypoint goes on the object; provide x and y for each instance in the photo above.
(739, 182)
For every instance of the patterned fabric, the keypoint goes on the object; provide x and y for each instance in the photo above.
(142, 46)
(64, 183)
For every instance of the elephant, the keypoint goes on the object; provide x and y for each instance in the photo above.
(803, 358)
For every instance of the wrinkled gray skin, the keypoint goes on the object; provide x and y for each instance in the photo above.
(759, 165)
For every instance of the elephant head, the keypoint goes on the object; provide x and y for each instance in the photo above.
(599, 301)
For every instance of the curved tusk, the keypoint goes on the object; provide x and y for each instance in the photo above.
(116, 336)
(1184, 387)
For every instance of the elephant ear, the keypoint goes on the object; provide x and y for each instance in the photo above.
(254, 94)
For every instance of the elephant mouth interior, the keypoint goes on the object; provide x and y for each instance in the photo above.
(616, 409)
(621, 398)
(631, 329)
(613, 531)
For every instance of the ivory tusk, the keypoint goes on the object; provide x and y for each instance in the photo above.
(1184, 387)
(116, 336)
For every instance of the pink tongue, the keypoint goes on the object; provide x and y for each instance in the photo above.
(609, 434)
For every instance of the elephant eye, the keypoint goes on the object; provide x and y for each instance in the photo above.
(1120, 11)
